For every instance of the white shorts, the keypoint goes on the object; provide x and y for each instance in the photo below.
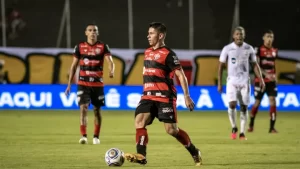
(238, 92)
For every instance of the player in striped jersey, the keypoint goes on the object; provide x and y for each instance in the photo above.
(266, 56)
(159, 95)
(90, 57)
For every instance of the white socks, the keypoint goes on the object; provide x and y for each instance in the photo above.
(243, 119)
(232, 117)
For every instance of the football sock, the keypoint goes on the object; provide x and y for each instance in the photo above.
(96, 130)
(185, 140)
(272, 117)
(83, 130)
(141, 139)
(253, 114)
(232, 117)
(243, 119)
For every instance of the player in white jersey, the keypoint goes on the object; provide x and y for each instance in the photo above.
(238, 55)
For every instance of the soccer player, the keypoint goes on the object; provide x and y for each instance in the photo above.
(90, 57)
(238, 54)
(266, 55)
(159, 95)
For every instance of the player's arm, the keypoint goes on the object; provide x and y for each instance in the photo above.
(73, 68)
(173, 63)
(74, 65)
(256, 68)
(109, 59)
(222, 62)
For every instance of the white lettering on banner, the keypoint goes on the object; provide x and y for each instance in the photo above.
(22, 99)
(180, 100)
(133, 100)
(68, 101)
(224, 99)
(112, 98)
(291, 100)
(204, 99)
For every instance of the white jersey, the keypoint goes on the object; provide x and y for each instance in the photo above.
(238, 59)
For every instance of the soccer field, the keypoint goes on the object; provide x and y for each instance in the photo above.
(49, 140)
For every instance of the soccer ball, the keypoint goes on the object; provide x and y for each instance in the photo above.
(114, 157)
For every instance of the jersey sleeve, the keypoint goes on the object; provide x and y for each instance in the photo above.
(106, 50)
(172, 61)
(76, 52)
(252, 55)
(224, 55)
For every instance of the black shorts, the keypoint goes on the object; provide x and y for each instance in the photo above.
(94, 95)
(271, 90)
(165, 112)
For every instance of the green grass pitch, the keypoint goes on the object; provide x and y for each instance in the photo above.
(49, 140)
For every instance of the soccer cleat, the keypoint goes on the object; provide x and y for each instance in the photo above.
(234, 133)
(250, 129)
(96, 140)
(273, 131)
(135, 158)
(242, 136)
(83, 140)
(197, 158)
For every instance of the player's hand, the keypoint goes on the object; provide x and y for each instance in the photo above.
(67, 91)
(189, 103)
(220, 90)
(262, 84)
(111, 74)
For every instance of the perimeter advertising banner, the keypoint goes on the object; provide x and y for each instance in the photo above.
(127, 97)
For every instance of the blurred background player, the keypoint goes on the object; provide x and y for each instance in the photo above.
(237, 55)
(266, 55)
(159, 95)
(90, 56)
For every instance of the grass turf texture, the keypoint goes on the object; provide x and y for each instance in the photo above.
(49, 140)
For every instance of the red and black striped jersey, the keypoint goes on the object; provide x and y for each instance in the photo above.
(158, 72)
(91, 58)
(266, 57)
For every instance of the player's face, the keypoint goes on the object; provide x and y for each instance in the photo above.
(154, 36)
(268, 38)
(239, 36)
(91, 32)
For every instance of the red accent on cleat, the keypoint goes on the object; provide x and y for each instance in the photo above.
(250, 129)
(233, 136)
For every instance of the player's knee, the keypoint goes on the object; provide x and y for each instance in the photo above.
(171, 130)
(97, 111)
(140, 124)
(272, 101)
(84, 109)
(232, 105)
(243, 108)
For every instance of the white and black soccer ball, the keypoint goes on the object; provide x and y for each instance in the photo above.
(114, 157)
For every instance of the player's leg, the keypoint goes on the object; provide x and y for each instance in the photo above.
(244, 100)
(98, 101)
(231, 93)
(83, 98)
(143, 118)
(258, 94)
(167, 113)
(272, 93)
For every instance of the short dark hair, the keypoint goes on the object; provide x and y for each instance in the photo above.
(239, 28)
(160, 27)
(90, 24)
(268, 31)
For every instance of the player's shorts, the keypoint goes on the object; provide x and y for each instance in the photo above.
(164, 112)
(94, 95)
(240, 93)
(271, 90)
